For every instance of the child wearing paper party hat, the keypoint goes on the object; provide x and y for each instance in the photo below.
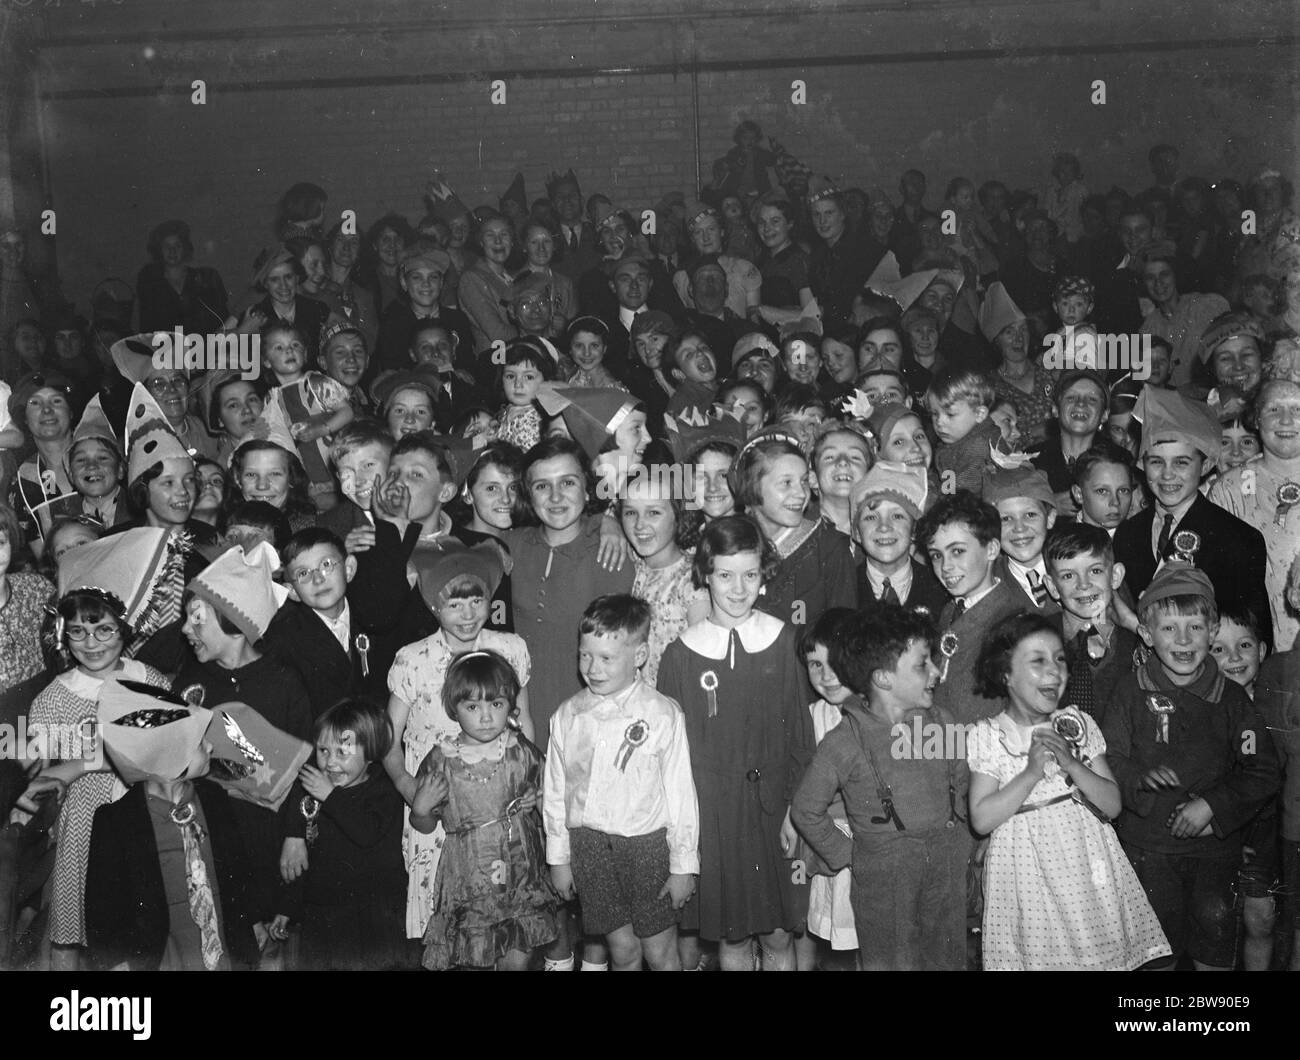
(103, 585)
(1194, 763)
(168, 875)
(456, 584)
(228, 608)
(1059, 892)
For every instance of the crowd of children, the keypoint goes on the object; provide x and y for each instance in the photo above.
(662, 609)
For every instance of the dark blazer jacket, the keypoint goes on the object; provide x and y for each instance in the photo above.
(300, 640)
(1003, 571)
(1232, 554)
(126, 905)
(926, 592)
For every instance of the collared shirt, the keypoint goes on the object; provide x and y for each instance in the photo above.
(900, 581)
(975, 598)
(341, 627)
(572, 234)
(1021, 573)
(627, 316)
(620, 765)
(1158, 521)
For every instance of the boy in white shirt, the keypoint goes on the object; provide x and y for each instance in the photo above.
(619, 804)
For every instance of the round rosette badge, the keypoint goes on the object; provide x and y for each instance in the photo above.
(1161, 706)
(633, 737)
(1186, 544)
(709, 682)
(1069, 725)
(1288, 496)
(309, 807)
(948, 645)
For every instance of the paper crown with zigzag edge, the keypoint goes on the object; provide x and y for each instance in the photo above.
(692, 430)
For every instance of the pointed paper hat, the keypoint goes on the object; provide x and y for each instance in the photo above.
(445, 202)
(885, 274)
(998, 311)
(1167, 416)
(556, 179)
(148, 732)
(435, 568)
(149, 437)
(692, 429)
(904, 290)
(461, 452)
(240, 586)
(125, 566)
(133, 356)
(93, 424)
(516, 193)
(271, 426)
(592, 414)
(251, 758)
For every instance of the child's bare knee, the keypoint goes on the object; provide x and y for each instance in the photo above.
(624, 947)
(1259, 916)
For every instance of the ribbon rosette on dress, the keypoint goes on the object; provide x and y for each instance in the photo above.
(1069, 725)
(1161, 707)
(633, 737)
(1288, 496)
(709, 682)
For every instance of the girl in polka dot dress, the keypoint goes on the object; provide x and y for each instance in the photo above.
(1060, 892)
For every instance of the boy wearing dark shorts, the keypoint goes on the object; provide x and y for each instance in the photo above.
(622, 819)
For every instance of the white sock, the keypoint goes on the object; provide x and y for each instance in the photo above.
(565, 964)
(589, 966)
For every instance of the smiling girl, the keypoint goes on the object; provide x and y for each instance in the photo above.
(457, 585)
(233, 411)
(92, 635)
(814, 569)
(841, 458)
(653, 519)
(586, 342)
(483, 785)
(735, 674)
(1059, 890)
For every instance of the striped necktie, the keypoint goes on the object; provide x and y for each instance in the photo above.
(1038, 588)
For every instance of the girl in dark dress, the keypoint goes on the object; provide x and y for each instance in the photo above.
(352, 891)
(736, 676)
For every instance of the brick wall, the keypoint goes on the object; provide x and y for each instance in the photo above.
(932, 87)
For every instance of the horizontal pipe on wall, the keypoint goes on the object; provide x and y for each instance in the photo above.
(679, 68)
